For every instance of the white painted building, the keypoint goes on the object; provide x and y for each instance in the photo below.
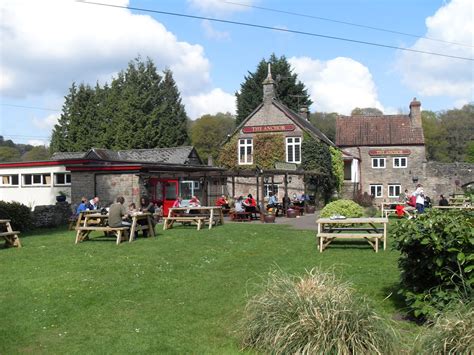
(34, 183)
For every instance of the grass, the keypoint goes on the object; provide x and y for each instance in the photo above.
(182, 292)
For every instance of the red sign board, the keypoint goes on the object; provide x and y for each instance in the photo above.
(269, 128)
(389, 152)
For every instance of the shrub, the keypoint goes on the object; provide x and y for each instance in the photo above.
(347, 208)
(372, 211)
(437, 260)
(364, 199)
(19, 214)
(314, 314)
(451, 333)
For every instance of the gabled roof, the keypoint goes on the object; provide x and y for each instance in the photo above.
(304, 124)
(354, 131)
(175, 155)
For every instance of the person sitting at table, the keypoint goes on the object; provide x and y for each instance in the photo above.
(222, 202)
(146, 205)
(82, 206)
(117, 214)
(443, 201)
(93, 204)
(177, 202)
(194, 202)
(132, 208)
(239, 206)
(250, 204)
(273, 203)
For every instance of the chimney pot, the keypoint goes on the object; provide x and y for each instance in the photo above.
(415, 112)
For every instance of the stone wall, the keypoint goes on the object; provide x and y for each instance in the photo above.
(110, 186)
(51, 215)
(82, 184)
(445, 178)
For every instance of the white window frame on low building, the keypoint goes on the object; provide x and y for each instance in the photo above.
(293, 150)
(67, 176)
(397, 162)
(376, 190)
(270, 187)
(392, 190)
(247, 145)
(7, 180)
(376, 163)
(43, 180)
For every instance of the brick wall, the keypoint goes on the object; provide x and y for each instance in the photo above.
(82, 184)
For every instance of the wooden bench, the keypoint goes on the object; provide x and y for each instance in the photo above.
(198, 220)
(241, 216)
(12, 238)
(119, 232)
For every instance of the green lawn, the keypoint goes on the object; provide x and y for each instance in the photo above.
(181, 292)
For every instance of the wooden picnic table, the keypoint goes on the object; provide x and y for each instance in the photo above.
(371, 229)
(204, 214)
(408, 210)
(12, 238)
(98, 222)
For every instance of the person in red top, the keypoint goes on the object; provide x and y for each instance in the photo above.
(222, 202)
(250, 204)
(177, 202)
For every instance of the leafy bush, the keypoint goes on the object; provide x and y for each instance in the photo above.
(451, 333)
(437, 260)
(347, 208)
(372, 211)
(364, 199)
(314, 314)
(19, 214)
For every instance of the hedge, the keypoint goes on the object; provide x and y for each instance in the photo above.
(19, 214)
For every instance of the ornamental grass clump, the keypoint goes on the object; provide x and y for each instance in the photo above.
(313, 314)
(451, 333)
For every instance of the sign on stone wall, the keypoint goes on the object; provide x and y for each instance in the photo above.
(285, 166)
(389, 152)
(269, 128)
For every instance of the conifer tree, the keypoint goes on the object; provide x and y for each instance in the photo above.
(289, 90)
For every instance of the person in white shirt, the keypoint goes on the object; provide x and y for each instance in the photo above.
(239, 207)
(420, 198)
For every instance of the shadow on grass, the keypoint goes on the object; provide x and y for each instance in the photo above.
(398, 303)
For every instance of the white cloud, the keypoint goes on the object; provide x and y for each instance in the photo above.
(219, 7)
(36, 142)
(211, 102)
(437, 76)
(337, 85)
(46, 45)
(212, 33)
(47, 122)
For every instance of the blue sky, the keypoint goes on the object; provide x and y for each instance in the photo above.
(47, 45)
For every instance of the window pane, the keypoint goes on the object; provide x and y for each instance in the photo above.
(249, 141)
(36, 179)
(59, 178)
(14, 180)
(28, 179)
(297, 153)
(68, 178)
(290, 140)
(290, 153)
(382, 163)
(297, 140)
(46, 179)
(6, 180)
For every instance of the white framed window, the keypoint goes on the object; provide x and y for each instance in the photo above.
(293, 150)
(36, 179)
(9, 180)
(394, 190)
(267, 188)
(62, 178)
(245, 151)
(378, 163)
(400, 162)
(376, 190)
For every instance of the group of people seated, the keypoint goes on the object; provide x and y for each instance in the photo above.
(88, 205)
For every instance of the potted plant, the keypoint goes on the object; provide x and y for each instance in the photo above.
(269, 217)
(61, 197)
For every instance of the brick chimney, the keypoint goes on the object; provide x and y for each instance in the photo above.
(268, 87)
(304, 112)
(415, 112)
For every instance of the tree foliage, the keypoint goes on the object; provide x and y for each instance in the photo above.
(325, 122)
(209, 131)
(316, 159)
(139, 109)
(289, 90)
(36, 153)
(449, 134)
(366, 111)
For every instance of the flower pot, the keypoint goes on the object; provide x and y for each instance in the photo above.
(310, 209)
(60, 198)
(269, 218)
(291, 213)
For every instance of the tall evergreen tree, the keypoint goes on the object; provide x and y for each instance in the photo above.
(139, 109)
(289, 90)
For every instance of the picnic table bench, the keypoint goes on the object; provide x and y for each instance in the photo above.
(352, 228)
(200, 216)
(98, 222)
(12, 238)
(241, 216)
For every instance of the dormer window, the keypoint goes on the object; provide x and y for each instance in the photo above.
(245, 151)
(293, 150)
